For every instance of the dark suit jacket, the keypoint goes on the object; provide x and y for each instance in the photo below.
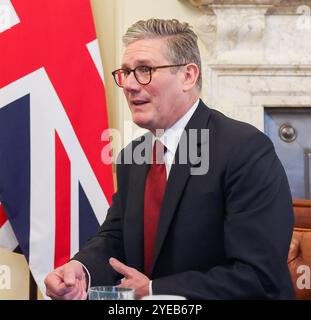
(222, 235)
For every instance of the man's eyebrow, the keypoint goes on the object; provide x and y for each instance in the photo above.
(138, 63)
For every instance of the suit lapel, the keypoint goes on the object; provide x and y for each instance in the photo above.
(178, 178)
(134, 213)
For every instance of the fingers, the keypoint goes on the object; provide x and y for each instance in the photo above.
(66, 282)
(54, 285)
(58, 292)
(139, 282)
(120, 267)
(124, 283)
(76, 293)
(132, 278)
(72, 270)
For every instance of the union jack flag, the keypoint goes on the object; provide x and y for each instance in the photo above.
(54, 188)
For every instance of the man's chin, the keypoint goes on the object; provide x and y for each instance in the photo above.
(142, 122)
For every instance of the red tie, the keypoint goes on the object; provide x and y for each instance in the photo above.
(154, 191)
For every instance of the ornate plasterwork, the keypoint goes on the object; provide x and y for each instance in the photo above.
(275, 6)
(234, 32)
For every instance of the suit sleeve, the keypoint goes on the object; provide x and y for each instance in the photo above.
(257, 232)
(108, 242)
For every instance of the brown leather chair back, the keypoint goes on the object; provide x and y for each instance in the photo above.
(300, 248)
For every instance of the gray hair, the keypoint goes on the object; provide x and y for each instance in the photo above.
(181, 41)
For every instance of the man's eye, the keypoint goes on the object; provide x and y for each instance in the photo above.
(144, 69)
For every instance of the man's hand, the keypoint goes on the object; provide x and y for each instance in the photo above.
(67, 282)
(132, 278)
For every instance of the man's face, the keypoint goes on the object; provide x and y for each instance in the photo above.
(156, 105)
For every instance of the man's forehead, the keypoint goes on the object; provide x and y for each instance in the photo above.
(144, 51)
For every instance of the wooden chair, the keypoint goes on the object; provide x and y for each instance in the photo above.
(300, 249)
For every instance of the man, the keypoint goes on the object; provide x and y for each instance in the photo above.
(221, 232)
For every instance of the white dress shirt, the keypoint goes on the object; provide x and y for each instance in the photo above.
(170, 138)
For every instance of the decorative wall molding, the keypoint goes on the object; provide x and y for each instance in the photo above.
(275, 6)
(257, 55)
(237, 31)
(243, 91)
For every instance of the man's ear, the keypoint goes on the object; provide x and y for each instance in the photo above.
(191, 74)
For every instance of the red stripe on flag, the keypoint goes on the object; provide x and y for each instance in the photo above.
(62, 210)
(3, 217)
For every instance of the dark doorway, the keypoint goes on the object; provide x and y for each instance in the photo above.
(290, 131)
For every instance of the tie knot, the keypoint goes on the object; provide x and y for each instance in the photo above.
(158, 152)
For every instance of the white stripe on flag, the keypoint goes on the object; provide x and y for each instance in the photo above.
(74, 216)
(8, 16)
(93, 48)
(7, 237)
(42, 183)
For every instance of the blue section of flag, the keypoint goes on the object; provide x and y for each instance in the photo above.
(88, 223)
(15, 167)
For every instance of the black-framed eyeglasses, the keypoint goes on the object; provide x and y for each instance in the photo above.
(143, 74)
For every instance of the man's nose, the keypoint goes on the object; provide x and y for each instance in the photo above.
(130, 83)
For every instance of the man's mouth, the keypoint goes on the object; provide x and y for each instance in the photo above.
(139, 102)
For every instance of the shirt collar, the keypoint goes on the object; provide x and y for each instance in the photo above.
(172, 135)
